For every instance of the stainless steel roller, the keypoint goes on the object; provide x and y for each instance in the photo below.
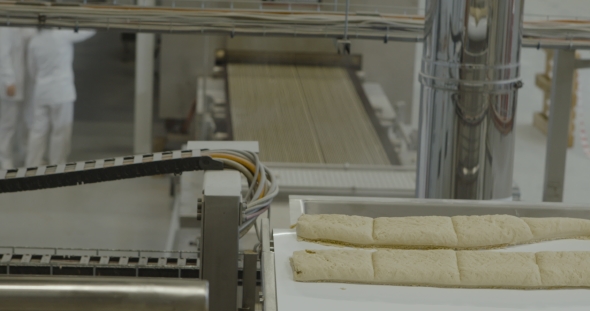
(38, 293)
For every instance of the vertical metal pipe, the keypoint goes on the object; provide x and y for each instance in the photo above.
(144, 89)
(346, 20)
(470, 77)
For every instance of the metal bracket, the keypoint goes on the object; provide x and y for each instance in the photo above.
(249, 293)
(343, 47)
(268, 269)
(582, 63)
(220, 237)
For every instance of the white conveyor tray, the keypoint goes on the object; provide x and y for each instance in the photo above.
(293, 295)
(297, 296)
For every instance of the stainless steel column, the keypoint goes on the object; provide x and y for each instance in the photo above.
(44, 293)
(470, 77)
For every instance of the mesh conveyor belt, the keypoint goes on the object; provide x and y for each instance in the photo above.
(267, 105)
(302, 114)
(71, 174)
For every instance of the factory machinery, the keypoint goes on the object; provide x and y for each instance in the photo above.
(113, 280)
(359, 150)
(223, 274)
(318, 128)
(470, 79)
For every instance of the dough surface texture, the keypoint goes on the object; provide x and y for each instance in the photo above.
(445, 268)
(437, 232)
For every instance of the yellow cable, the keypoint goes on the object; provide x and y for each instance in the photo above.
(242, 161)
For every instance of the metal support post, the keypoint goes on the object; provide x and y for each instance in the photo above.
(267, 266)
(249, 293)
(564, 64)
(346, 19)
(219, 251)
(144, 89)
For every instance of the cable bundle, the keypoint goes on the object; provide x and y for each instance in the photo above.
(262, 187)
(377, 25)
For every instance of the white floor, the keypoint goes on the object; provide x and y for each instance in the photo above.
(135, 214)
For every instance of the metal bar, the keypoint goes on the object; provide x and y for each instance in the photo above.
(564, 64)
(249, 293)
(220, 222)
(269, 287)
(144, 89)
(582, 63)
(92, 294)
(346, 20)
(59, 265)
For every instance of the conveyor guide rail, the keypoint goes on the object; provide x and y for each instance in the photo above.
(106, 265)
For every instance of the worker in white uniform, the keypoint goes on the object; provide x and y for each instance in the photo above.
(13, 48)
(50, 61)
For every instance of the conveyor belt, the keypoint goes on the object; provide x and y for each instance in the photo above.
(302, 114)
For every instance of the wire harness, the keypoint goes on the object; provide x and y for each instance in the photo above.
(269, 20)
(262, 186)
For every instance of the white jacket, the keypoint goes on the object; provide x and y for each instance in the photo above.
(50, 61)
(13, 46)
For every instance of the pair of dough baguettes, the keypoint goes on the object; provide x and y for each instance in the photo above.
(458, 232)
(444, 268)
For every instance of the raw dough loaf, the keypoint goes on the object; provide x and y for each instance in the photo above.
(336, 228)
(560, 269)
(558, 228)
(431, 232)
(490, 230)
(498, 269)
(416, 267)
(445, 268)
(355, 266)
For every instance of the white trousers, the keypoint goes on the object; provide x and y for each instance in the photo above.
(9, 117)
(52, 125)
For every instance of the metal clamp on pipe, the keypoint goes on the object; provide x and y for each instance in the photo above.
(19, 293)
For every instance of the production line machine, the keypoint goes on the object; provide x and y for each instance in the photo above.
(319, 126)
(223, 274)
(470, 78)
(174, 280)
